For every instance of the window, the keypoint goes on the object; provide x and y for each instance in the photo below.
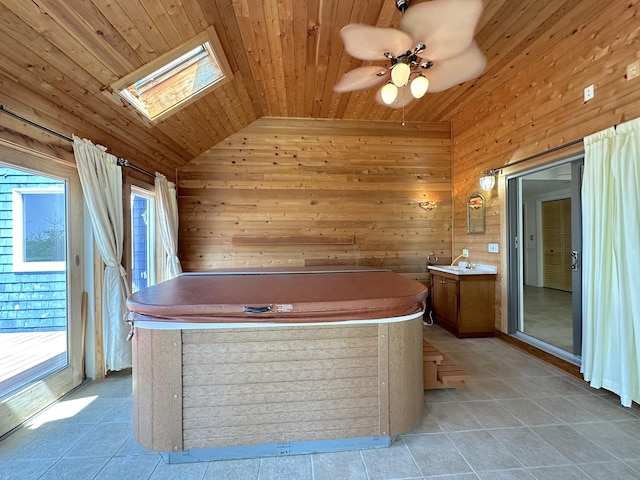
(176, 78)
(39, 228)
(142, 239)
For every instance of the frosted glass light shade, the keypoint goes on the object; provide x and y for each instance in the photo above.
(487, 182)
(389, 93)
(400, 74)
(419, 86)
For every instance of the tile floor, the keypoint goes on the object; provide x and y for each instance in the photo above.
(518, 418)
(548, 316)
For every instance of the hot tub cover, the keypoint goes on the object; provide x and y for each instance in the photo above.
(280, 296)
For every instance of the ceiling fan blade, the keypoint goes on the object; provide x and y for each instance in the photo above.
(446, 27)
(453, 71)
(370, 43)
(403, 99)
(362, 77)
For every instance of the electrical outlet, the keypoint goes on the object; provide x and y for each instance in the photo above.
(589, 93)
(493, 248)
(465, 252)
(633, 70)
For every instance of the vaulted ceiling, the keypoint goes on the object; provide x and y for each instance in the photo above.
(57, 60)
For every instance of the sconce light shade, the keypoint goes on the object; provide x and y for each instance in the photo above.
(429, 205)
(488, 180)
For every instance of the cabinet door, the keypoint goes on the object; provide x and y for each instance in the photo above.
(438, 300)
(451, 288)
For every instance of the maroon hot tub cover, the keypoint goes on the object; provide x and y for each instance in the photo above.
(279, 296)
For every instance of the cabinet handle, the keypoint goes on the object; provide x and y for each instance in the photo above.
(443, 282)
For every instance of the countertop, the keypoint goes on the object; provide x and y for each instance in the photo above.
(461, 269)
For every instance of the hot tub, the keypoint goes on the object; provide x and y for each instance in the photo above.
(273, 362)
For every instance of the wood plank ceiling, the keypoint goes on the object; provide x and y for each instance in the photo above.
(58, 58)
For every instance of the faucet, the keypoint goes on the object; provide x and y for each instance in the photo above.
(465, 253)
(456, 259)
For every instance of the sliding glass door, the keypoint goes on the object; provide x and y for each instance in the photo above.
(40, 297)
(544, 212)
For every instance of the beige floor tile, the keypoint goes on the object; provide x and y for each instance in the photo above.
(390, 463)
(297, 467)
(490, 414)
(436, 455)
(572, 444)
(330, 466)
(515, 415)
(483, 452)
(529, 448)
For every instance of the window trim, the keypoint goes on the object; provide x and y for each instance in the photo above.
(208, 37)
(151, 233)
(20, 265)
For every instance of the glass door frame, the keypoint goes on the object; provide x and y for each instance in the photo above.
(24, 403)
(515, 254)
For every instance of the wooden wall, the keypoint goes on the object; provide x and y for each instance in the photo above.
(304, 192)
(541, 107)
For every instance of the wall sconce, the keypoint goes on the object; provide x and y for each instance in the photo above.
(429, 205)
(488, 180)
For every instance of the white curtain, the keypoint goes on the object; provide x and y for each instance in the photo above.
(167, 218)
(101, 180)
(611, 261)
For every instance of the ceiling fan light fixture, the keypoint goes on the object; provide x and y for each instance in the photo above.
(400, 74)
(434, 35)
(419, 86)
(389, 93)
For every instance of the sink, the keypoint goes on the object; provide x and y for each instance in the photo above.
(463, 270)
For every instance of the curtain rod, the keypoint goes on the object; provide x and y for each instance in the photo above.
(122, 162)
(34, 124)
(540, 154)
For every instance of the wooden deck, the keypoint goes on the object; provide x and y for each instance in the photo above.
(26, 356)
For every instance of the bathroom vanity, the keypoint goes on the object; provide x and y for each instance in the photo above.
(463, 299)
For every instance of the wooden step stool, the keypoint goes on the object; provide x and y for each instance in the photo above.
(439, 372)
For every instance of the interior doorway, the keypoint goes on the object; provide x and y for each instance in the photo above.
(544, 212)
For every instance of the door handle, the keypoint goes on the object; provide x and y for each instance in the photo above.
(574, 261)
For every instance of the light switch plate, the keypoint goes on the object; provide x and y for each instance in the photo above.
(493, 248)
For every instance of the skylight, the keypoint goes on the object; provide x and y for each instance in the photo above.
(175, 79)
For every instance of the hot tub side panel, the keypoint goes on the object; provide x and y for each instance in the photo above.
(157, 389)
(257, 386)
(406, 390)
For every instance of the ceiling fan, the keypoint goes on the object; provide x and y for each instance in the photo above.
(434, 45)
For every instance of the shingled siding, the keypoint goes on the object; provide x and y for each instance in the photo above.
(28, 300)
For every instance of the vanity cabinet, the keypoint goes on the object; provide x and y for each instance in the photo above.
(464, 304)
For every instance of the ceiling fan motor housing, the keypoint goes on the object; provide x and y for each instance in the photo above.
(402, 5)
